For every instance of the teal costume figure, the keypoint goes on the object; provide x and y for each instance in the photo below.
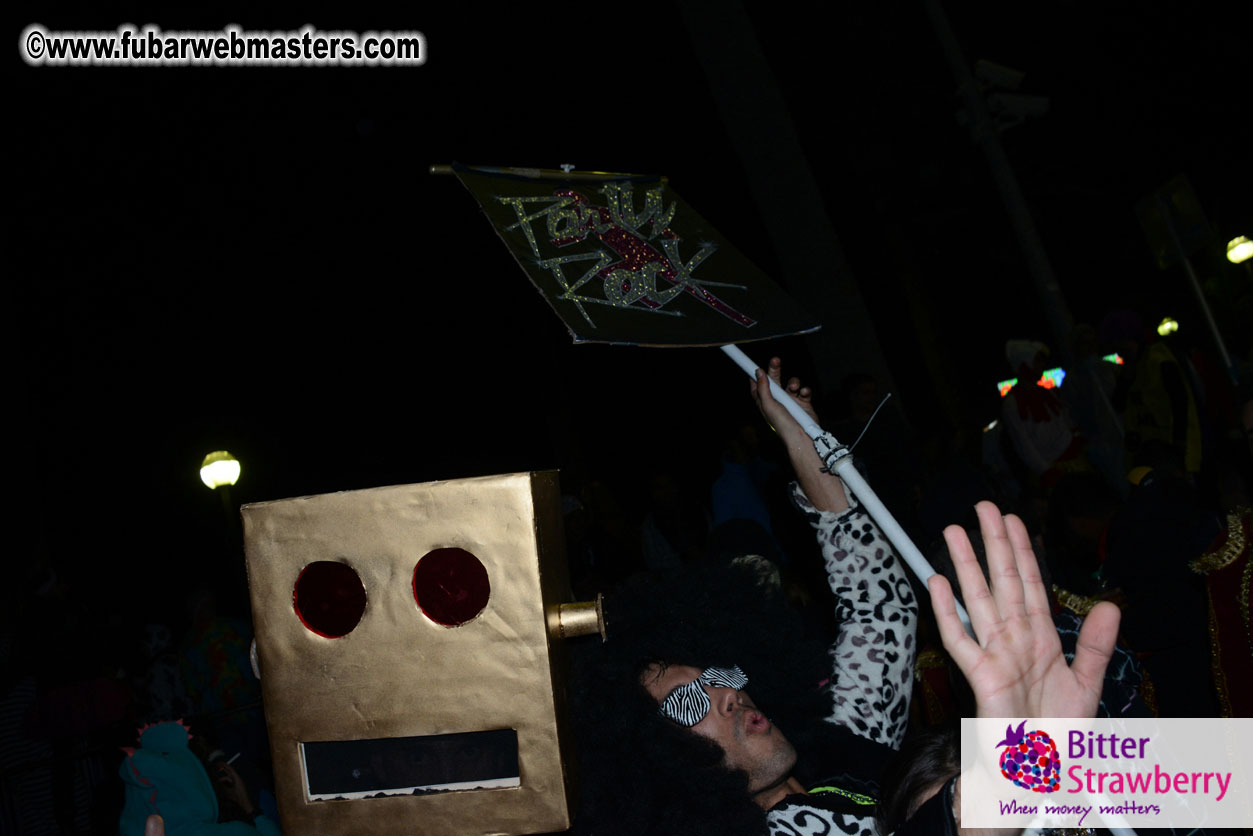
(163, 776)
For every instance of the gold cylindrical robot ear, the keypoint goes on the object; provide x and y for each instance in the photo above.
(581, 619)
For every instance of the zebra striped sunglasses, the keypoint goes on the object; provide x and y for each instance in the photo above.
(688, 704)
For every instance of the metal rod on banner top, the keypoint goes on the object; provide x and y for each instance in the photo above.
(840, 463)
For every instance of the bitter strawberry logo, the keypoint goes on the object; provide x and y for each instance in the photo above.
(1030, 759)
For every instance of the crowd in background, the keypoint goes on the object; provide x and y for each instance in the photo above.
(1133, 478)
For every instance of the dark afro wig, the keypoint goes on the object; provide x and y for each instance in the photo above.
(640, 773)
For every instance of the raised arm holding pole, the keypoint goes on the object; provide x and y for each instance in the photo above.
(838, 462)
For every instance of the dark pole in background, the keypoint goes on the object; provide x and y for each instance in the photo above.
(761, 130)
(983, 131)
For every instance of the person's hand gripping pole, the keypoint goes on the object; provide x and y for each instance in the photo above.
(836, 461)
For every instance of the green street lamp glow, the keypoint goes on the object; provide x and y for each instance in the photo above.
(219, 468)
(1167, 326)
(1239, 249)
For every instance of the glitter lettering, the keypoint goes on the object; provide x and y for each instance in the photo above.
(627, 260)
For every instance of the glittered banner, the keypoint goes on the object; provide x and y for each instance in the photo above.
(624, 259)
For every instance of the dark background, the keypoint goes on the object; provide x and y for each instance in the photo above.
(258, 260)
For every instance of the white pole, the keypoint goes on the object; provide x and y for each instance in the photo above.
(840, 463)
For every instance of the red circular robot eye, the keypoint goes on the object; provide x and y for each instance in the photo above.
(329, 598)
(450, 586)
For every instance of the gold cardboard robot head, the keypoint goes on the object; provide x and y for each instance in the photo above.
(406, 642)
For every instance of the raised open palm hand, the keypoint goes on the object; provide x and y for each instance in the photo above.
(1016, 667)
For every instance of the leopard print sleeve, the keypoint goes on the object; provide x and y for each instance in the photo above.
(872, 658)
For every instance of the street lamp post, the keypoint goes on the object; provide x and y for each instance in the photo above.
(1239, 249)
(219, 471)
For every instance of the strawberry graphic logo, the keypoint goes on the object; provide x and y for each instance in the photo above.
(1030, 759)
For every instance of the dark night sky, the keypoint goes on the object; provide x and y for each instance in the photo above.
(272, 235)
